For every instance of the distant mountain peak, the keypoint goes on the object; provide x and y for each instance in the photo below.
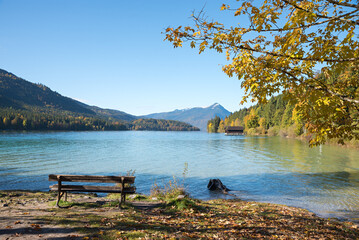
(215, 105)
(196, 116)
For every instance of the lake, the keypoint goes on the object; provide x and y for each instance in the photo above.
(324, 179)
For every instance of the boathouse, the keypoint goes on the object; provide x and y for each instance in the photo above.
(233, 131)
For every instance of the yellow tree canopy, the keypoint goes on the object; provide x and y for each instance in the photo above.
(306, 49)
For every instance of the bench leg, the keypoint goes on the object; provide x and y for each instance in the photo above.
(65, 196)
(122, 200)
(59, 195)
(59, 192)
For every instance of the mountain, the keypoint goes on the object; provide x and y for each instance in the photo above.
(111, 113)
(197, 116)
(18, 93)
(29, 106)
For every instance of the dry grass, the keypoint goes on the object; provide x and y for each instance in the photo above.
(90, 218)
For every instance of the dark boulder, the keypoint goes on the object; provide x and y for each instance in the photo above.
(217, 185)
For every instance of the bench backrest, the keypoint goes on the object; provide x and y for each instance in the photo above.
(89, 178)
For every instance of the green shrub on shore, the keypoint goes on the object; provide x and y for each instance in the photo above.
(172, 189)
(273, 131)
(168, 191)
(174, 196)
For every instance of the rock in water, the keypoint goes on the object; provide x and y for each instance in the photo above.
(217, 185)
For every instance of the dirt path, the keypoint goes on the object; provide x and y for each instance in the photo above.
(23, 221)
(21, 217)
(27, 215)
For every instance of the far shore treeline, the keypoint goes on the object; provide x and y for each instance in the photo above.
(273, 118)
(12, 119)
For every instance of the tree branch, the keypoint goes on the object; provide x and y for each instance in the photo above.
(232, 45)
(345, 98)
(320, 15)
(298, 58)
(322, 88)
(308, 25)
(344, 4)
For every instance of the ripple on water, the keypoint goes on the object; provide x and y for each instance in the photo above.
(324, 179)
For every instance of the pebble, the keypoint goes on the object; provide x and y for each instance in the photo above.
(181, 196)
(132, 196)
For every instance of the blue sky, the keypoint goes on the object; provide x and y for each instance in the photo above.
(111, 53)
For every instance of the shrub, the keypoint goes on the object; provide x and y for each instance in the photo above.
(273, 131)
(168, 191)
(250, 131)
(298, 129)
(260, 130)
(283, 132)
(292, 131)
(185, 204)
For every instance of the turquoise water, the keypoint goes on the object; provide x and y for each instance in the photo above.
(324, 180)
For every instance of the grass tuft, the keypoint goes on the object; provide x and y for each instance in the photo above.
(184, 204)
(168, 191)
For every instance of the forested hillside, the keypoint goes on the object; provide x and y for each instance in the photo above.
(11, 119)
(17, 93)
(28, 106)
(273, 118)
(161, 125)
(14, 119)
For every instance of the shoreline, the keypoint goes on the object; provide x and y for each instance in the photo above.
(32, 215)
(330, 142)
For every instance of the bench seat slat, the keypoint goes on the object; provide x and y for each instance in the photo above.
(89, 188)
(88, 178)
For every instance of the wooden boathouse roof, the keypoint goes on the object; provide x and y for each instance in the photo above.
(234, 129)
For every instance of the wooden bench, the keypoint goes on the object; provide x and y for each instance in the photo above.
(123, 185)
